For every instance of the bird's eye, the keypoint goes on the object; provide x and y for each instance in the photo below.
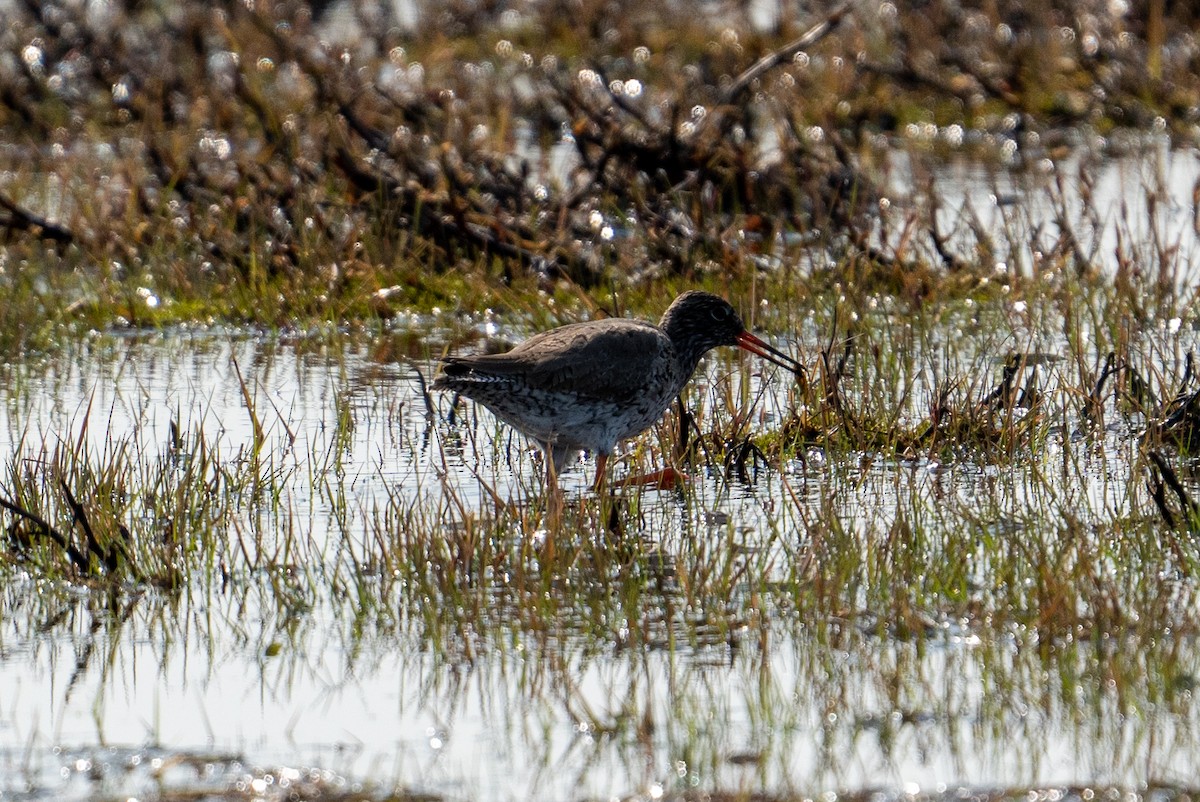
(720, 314)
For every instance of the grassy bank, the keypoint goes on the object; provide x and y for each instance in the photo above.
(200, 162)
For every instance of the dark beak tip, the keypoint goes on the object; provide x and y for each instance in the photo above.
(748, 342)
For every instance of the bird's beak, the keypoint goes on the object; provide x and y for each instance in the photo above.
(749, 342)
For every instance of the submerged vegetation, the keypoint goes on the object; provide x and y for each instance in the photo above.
(965, 536)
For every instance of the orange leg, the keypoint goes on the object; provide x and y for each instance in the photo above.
(554, 502)
(601, 462)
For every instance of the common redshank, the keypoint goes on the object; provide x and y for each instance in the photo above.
(588, 386)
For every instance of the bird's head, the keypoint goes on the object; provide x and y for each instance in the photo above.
(698, 321)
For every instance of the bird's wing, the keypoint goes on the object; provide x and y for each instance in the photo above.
(604, 359)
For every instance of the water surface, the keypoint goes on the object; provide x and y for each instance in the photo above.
(679, 650)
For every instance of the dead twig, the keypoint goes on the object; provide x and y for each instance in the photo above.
(1094, 410)
(107, 556)
(1165, 473)
(742, 83)
(20, 219)
(76, 557)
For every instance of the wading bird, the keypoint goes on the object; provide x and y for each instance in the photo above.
(588, 386)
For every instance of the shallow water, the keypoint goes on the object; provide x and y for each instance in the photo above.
(671, 656)
(228, 672)
(1136, 208)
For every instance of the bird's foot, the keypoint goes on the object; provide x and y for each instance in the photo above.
(665, 479)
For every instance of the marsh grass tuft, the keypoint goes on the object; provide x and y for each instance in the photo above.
(130, 514)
